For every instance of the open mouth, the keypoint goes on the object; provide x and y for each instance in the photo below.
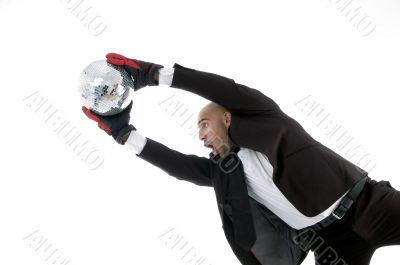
(215, 151)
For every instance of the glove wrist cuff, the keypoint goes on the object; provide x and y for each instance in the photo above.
(123, 134)
(153, 74)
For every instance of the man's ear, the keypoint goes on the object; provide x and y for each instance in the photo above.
(227, 118)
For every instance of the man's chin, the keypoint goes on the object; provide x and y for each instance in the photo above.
(215, 151)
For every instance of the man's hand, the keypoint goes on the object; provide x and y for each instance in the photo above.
(116, 125)
(143, 73)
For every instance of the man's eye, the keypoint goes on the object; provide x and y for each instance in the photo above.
(203, 125)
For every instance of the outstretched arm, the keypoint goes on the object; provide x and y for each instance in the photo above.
(190, 168)
(184, 167)
(221, 90)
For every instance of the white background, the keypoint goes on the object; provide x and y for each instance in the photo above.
(117, 213)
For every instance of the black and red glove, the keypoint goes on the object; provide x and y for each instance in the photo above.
(143, 73)
(116, 125)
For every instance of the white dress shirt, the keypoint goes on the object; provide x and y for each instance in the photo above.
(258, 176)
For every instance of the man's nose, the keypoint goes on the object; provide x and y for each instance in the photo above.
(201, 135)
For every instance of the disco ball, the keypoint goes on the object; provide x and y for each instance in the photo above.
(104, 88)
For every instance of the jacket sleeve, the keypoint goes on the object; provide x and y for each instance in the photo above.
(222, 90)
(190, 167)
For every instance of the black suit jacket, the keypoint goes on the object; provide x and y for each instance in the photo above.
(311, 176)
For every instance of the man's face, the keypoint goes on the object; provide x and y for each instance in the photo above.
(213, 124)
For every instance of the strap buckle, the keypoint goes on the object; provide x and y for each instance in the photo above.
(341, 210)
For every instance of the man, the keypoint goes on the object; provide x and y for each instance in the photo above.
(280, 192)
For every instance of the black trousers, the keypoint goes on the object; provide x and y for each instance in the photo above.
(373, 221)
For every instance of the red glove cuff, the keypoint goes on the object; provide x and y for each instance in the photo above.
(94, 117)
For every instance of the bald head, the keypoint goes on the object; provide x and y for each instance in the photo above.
(214, 108)
(213, 122)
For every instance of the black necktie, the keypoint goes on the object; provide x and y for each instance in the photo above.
(237, 196)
